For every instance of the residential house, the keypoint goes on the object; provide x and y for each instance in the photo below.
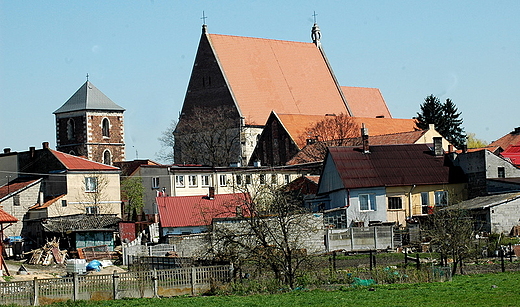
(486, 172)
(369, 185)
(499, 213)
(512, 138)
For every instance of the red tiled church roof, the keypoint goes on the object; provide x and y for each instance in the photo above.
(74, 163)
(284, 76)
(365, 102)
(199, 210)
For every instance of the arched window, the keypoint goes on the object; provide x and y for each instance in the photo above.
(71, 129)
(107, 157)
(105, 126)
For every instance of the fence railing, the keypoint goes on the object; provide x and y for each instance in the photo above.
(139, 284)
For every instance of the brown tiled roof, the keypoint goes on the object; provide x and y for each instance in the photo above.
(284, 76)
(14, 186)
(46, 204)
(512, 138)
(297, 124)
(305, 185)
(365, 102)
(80, 164)
(6, 217)
(392, 165)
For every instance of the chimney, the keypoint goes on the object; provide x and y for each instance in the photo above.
(431, 126)
(45, 145)
(211, 193)
(437, 146)
(41, 199)
(32, 150)
(450, 148)
(7, 150)
(364, 139)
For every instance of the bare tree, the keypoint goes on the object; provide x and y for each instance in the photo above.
(337, 130)
(275, 232)
(451, 233)
(95, 195)
(208, 137)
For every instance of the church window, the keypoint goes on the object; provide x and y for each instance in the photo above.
(107, 157)
(105, 126)
(71, 128)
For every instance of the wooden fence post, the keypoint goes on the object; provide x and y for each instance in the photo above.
(155, 284)
(115, 285)
(36, 293)
(193, 280)
(75, 286)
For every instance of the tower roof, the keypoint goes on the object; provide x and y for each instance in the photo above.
(88, 97)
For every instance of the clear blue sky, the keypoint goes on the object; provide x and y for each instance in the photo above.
(140, 54)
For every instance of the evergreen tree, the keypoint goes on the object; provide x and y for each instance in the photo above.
(445, 117)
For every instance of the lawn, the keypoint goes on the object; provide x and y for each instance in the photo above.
(500, 289)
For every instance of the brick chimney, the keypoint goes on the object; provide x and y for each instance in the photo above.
(7, 150)
(45, 145)
(437, 146)
(364, 139)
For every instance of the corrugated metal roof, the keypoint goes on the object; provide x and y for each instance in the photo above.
(392, 165)
(74, 163)
(486, 201)
(183, 211)
(88, 97)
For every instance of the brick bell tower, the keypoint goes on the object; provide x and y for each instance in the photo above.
(89, 124)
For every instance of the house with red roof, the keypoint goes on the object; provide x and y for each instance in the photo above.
(67, 185)
(183, 215)
(368, 185)
(252, 77)
(512, 138)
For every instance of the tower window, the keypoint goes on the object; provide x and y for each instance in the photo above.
(105, 126)
(107, 158)
(71, 128)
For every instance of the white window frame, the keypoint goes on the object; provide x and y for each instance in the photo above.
(238, 179)
(179, 181)
(425, 202)
(92, 210)
(287, 178)
(371, 202)
(222, 180)
(91, 184)
(192, 181)
(204, 180)
(156, 183)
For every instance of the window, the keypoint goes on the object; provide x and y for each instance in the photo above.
(179, 181)
(441, 198)
(155, 183)
(274, 179)
(107, 158)
(204, 180)
(222, 180)
(71, 129)
(192, 180)
(367, 202)
(238, 179)
(105, 127)
(91, 184)
(92, 210)
(262, 178)
(425, 202)
(395, 203)
(248, 179)
(16, 200)
(64, 203)
(287, 179)
(501, 172)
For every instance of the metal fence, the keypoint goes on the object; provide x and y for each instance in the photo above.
(156, 283)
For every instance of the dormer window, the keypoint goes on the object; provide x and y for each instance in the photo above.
(105, 127)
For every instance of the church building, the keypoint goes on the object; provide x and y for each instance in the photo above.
(251, 77)
(89, 124)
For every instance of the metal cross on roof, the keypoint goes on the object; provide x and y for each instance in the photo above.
(203, 18)
(87, 76)
(314, 15)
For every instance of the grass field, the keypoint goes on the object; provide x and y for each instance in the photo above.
(500, 289)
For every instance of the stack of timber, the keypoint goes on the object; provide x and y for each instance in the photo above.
(48, 254)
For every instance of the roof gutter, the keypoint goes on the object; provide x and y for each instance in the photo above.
(410, 200)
